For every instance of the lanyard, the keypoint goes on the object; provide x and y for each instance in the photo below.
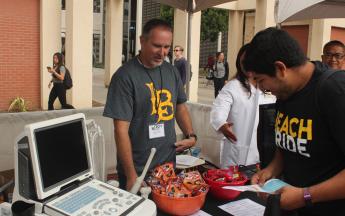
(154, 87)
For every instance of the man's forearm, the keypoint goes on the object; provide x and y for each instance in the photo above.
(124, 148)
(183, 119)
(276, 165)
(331, 189)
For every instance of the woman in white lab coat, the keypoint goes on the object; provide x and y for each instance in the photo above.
(235, 114)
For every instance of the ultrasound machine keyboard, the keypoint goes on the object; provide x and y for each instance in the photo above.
(94, 199)
(79, 199)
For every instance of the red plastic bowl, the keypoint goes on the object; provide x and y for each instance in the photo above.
(217, 190)
(179, 205)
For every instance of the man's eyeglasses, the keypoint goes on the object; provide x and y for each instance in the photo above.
(176, 50)
(337, 56)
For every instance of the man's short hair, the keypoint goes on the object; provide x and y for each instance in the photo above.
(180, 47)
(333, 43)
(154, 23)
(271, 45)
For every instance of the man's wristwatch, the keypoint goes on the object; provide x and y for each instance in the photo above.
(307, 197)
(192, 135)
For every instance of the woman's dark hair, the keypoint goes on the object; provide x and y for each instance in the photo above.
(218, 54)
(60, 63)
(269, 46)
(240, 74)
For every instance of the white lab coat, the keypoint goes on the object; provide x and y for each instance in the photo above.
(233, 105)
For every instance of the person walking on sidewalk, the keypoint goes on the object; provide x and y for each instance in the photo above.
(58, 75)
(220, 72)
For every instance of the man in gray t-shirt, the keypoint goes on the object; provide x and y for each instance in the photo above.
(144, 98)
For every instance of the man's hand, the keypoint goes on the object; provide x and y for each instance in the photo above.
(185, 144)
(260, 178)
(291, 198)
(226, 129)
(50, 84)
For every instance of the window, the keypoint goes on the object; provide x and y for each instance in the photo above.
(96, 6)
(96, 48)
(63, 5)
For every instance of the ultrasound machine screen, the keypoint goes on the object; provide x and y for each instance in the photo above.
(61, 152)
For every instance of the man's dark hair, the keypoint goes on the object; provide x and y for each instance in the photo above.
(269, 46)
(333, 43)
(154, 23)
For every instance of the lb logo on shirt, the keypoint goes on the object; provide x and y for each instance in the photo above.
(165, 108)
(293, 134)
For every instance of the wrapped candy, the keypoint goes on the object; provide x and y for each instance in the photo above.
(163, 180)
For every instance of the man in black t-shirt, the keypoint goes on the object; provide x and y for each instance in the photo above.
(309, 133)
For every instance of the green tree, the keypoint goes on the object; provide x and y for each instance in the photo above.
(167, 14)
(212, 22)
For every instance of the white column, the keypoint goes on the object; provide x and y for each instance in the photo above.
(79, 29)
(50, 42)
(195, 54)
(113, 38)
(219, 42)
(235, 38)
(139, 24)
(319, 34)
(264, 14)
(180, 30)
(180, 38)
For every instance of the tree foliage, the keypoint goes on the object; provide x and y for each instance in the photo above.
(212, 22)
(167, 14)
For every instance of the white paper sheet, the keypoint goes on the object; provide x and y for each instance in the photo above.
(200, 213)
(186, 160)
(270, 186)
(243, 207)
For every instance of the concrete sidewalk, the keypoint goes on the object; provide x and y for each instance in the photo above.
(99, 91)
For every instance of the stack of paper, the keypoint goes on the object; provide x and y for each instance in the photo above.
(270, 186)
(187, 161)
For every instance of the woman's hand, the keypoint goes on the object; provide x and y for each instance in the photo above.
(50, 84)
(226, 129)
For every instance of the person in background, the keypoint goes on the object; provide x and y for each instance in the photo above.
(221, 72)
(145, 97)
(333, 54)
(309, 125)
(180, 63)
(235, 114)
(58, 91)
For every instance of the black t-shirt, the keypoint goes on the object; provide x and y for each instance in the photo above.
(309, 132)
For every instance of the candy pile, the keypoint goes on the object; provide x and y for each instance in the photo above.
(230, 175)
(163, 180)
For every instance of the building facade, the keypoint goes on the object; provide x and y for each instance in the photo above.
(32, 32)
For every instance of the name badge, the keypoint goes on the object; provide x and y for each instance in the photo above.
(156, 131)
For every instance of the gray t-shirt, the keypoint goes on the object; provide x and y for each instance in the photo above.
(130, 98)
(62, 71)
(220, 70)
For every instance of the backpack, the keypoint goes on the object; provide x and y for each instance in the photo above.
(210, 75)
(67, 82)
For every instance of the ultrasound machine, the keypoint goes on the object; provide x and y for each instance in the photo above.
(53, 170)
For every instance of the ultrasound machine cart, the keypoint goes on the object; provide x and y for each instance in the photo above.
(53, 170)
